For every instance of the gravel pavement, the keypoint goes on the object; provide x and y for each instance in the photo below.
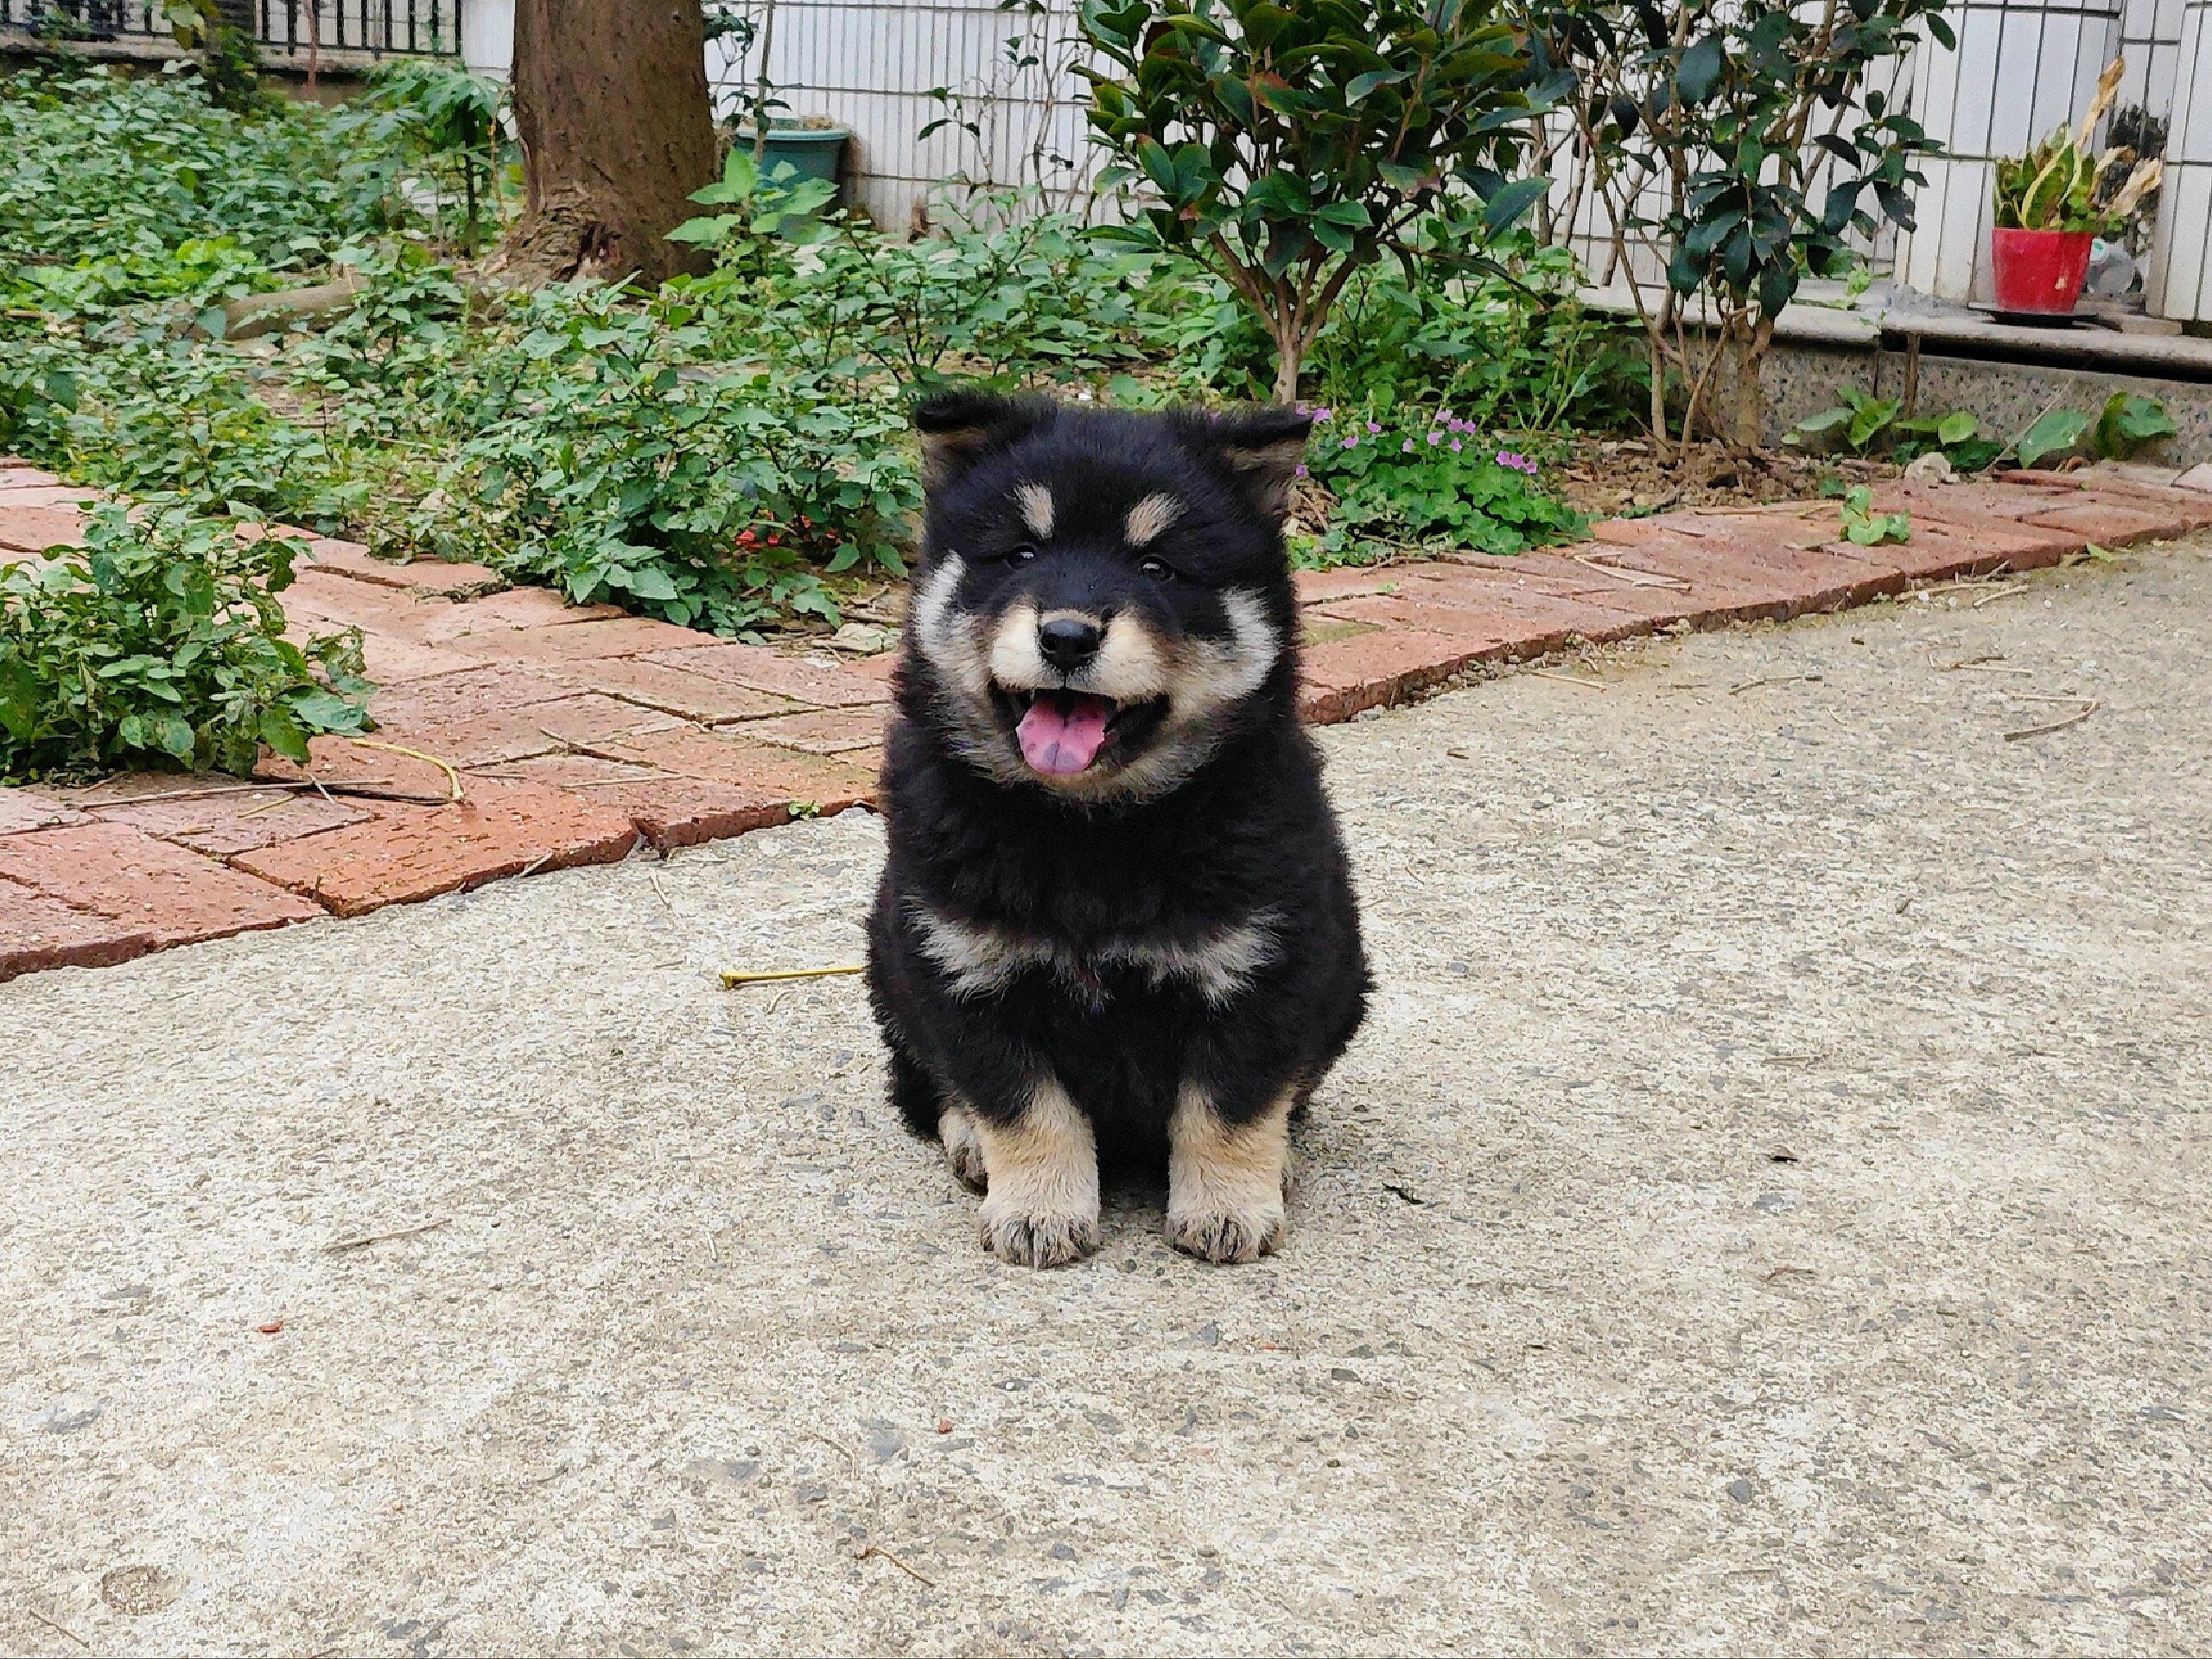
(1767, 1210)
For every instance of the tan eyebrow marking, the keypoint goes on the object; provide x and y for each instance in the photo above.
(1036, 504)
(1151, 516)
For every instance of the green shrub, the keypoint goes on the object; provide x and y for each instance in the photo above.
(161, 644)
(612, 454)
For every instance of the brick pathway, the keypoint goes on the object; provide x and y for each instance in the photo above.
(577, 734)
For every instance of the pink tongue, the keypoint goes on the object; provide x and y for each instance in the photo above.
(1062, 732)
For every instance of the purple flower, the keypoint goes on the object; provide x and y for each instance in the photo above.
(1435, 437)
(1352, 442)
(1325, 414)
(1517, 461)
(1455, 446)
(1302, 472)
(1408, 446)
(1373, 426)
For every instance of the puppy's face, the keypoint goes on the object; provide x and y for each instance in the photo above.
(1102, 596)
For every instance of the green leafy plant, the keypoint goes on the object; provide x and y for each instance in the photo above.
(1863, 424)
(161, 644)
(431, 123)
(1855, 425)
(2127, 421)
(119, 191)
(1867, 528)
(1286, 147)
(1423, 481)
(766, 205)
(1706, 135)
(618, 466)
(2062, 185)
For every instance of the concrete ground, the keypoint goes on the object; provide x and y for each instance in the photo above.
(1766, 1211)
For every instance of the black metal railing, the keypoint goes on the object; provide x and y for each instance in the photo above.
(293, 28)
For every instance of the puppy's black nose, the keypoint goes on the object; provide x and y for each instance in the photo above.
(1068, 642)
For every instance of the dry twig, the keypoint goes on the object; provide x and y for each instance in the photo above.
(732, 978)
(878, 1549)
(54, 1625)
(1634, 578)
(1569, 679)
(344, 1244)
(452, 772)
(2094, 704)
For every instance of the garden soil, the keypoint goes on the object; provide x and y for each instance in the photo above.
(1766, 1211)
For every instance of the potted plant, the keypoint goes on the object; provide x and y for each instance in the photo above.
(2048, 211)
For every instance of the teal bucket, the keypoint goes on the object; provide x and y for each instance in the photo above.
(813, 152)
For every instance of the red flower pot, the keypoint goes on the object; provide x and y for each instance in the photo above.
(2039, 271)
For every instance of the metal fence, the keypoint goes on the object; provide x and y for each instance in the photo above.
(991, 83)
(292, 28)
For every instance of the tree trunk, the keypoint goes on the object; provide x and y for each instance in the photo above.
(1742, 427)
(611, 110)
(1290, 355)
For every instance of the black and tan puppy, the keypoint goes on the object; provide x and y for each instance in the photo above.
(1116, 914)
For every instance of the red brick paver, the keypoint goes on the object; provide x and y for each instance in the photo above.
(578, 733)
(141, 888)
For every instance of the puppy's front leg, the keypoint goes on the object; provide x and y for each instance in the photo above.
(1040, 1209)
(1226, 1181)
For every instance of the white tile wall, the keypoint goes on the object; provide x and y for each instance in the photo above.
(2180, 283)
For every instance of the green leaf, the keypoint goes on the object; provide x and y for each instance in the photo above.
(1869, 420)
(1504, 209)
(1699, 72)
(2056, 430)
(705, 233)
(282, 734)
(1955, 428)
(644, 581)
(173, 732)
(1360, 85)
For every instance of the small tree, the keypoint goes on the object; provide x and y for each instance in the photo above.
(1706, 126)
(1291, 145)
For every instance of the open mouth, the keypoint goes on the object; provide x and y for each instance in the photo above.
(1064, 733)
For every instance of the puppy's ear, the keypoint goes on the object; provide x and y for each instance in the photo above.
(1262, 449)
(958, 428)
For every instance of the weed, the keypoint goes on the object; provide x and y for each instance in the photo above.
(161, 644)
(1867, 528)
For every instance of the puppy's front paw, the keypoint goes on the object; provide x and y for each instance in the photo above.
(1038, 1240)
(1226, 1234)
(964, 1148)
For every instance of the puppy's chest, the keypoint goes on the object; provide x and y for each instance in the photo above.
(1214, 963)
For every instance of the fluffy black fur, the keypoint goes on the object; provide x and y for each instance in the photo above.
(1243, 834)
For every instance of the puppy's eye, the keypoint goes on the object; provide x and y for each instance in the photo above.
(1021, 554)
(1157, 570)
